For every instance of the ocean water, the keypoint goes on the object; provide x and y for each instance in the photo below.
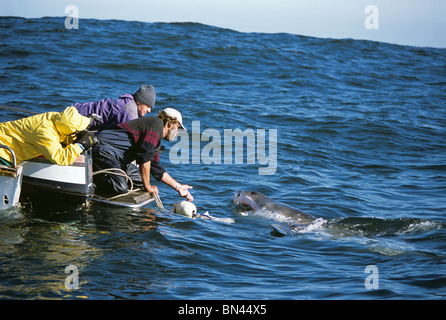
(360, 145)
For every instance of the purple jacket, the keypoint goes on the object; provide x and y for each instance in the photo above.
(112, 111)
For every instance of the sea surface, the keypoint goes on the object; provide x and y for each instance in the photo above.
(360, 145)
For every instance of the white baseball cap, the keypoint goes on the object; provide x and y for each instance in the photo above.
(175, 114)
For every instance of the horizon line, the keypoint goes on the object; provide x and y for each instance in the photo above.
(232, 29)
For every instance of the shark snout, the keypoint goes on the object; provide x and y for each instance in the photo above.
(237, 197)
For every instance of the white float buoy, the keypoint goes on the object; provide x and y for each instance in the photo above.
(186, 208)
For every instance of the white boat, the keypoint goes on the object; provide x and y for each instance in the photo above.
(10, 182)
(42, 176)
(74, 183)
(39, 179)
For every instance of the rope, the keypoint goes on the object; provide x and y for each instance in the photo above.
(122, 173)
(158, 201)
(117, 172)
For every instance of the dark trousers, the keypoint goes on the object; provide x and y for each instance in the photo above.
(105, 156)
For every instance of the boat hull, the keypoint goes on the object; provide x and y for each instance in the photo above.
(45, 182)
(10, 182)
(41, 177)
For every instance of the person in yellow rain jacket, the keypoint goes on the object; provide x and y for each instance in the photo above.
(59, 136)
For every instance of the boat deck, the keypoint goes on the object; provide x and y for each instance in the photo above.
(134, 199)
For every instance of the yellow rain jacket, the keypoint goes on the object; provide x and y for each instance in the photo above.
(43, 134)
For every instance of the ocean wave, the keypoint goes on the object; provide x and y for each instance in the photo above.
(360, 145)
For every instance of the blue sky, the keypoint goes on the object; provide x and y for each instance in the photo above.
(407, 22)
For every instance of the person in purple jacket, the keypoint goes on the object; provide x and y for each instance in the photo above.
(127, 107)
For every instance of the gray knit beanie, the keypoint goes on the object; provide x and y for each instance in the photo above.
(146, 94)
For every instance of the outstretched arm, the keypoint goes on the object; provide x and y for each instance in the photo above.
(144, 170)
(183, 189)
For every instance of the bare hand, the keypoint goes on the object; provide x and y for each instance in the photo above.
(152, 189)
(183, 190)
